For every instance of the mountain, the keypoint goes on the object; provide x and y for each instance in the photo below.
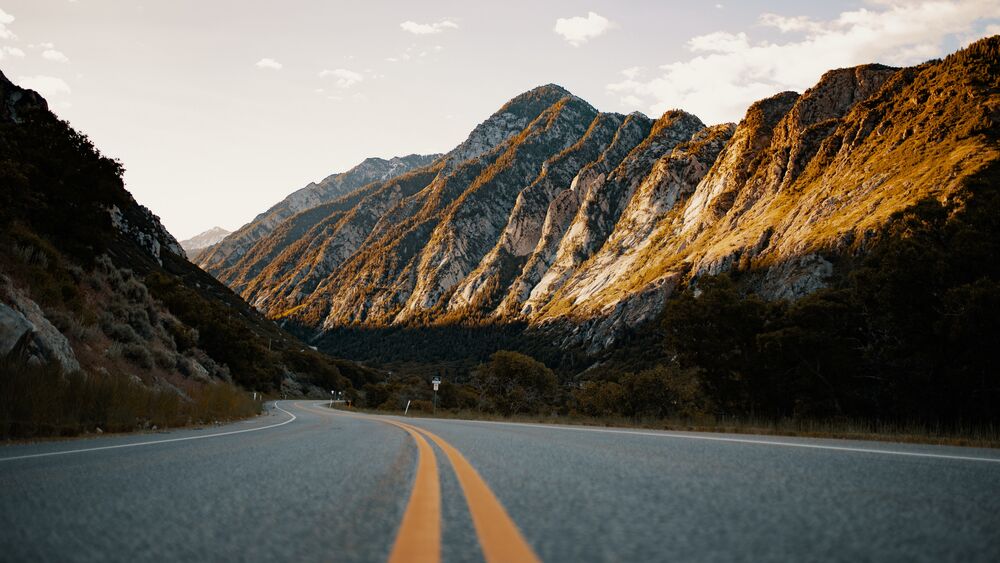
(201, 241)
(205, 239)
(583, 224)
(103, 321)
(230, 250)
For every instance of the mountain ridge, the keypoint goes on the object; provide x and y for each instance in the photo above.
(510, 226)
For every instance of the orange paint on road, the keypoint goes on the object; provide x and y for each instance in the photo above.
(419, 537)
(499, 536)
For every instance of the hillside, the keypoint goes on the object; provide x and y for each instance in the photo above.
(584, 223)
(97, 297)
(235, 246)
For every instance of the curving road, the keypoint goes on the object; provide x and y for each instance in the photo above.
(304, 483)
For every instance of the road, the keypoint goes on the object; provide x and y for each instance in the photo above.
(305, 483)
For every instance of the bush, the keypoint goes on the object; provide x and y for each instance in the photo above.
(515, 383)
(600, 398)
(139, 355)
(165, 359)
(118, 331)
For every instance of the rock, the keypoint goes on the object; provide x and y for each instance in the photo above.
(13, 327)
(46, 343)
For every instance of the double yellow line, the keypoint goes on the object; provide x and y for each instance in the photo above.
(419, 536)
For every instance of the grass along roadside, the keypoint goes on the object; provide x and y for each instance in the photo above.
(38, 401)
(877, 431)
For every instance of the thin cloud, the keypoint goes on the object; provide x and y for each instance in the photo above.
(578, 30)
(48, 86)
(729, 71)
(345, 78)
(269, 64)
(54, 56)
(428, 28)
(5, 20)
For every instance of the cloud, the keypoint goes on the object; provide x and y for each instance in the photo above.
(719, 42)
(55, 56)
(14, 52)
(269, 63)
(579, 30)
(5, 20)
(728, 71)
(428, 28)
(345, 78)
(48, 86)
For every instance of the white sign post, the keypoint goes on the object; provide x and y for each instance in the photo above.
(332, 395)
(435, 382)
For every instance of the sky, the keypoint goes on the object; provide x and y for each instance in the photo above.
(220, 108)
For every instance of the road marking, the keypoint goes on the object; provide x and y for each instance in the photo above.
(152, 442)
(419, 535)
(499, 536)
(733, 440)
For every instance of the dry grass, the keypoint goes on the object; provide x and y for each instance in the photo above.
(38, 401)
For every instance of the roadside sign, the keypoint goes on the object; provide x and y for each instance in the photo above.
(436, 382)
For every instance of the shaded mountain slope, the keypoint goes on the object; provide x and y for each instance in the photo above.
(107, 291)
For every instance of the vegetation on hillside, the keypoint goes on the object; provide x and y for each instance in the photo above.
(158, 341)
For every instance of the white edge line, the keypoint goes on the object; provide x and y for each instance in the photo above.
(151, 442)
(722, 439)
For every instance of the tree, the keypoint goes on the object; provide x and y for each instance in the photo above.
(515, 383)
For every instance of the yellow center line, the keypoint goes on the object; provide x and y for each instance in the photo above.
(499, 536)
(419, 536)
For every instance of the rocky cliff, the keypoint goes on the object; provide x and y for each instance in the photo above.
(554, 214)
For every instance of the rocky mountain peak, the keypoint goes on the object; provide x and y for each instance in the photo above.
(204, 239)
(508, 121)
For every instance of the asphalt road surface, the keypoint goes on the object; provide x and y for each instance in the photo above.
(305, 483)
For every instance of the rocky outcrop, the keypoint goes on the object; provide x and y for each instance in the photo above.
(606, 198)
(473, 225)
(142, 227)
(22, 323)
(483, 288)
(564, 207)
